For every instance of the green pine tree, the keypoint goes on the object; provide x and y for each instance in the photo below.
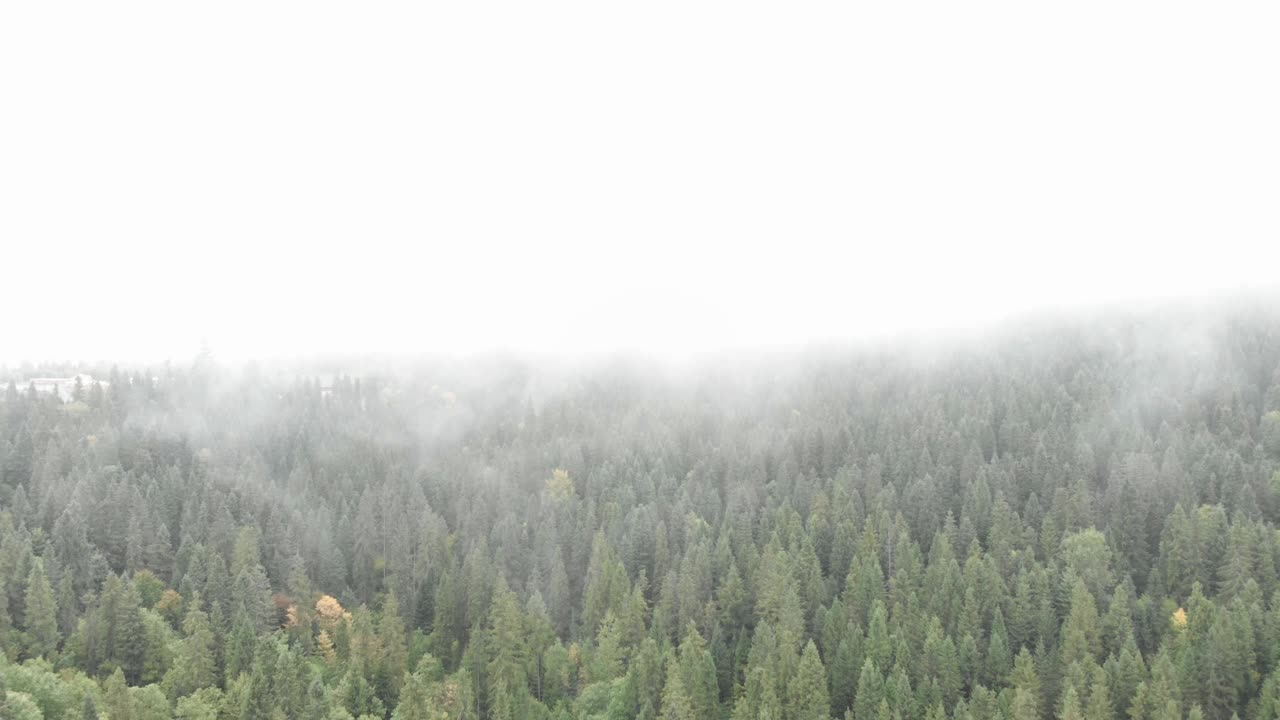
(807, 694)
(866, 703)
(1099, 706)
(676, 703)
(506, 671)
(698, 674)
(1070, 707)
(194, 665)
(41, 613)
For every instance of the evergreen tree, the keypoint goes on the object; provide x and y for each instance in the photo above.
(239, 647)
(866, 703)
(807, 695)
(1026, 678)
(998, 659)
(41, 614)
(1024, 706)
(845, 670)
(698, 674)
(416, 696)
(1081, 634)
(194, 665)
(1099, 706)
(116, 697)
(1070, 706)
(508, 692)
(394, 652)
(676, 702)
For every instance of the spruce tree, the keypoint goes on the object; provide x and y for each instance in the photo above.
(1099, 706)
(698, 674)
(676, 702)
(1026, 678)
(41, 614)
(508, 691)
(194, 665)
(116, 697)
(394, 652)
(1070, 706)
(1081, 634)
(807, 695)
(866, 703)
(998, 661)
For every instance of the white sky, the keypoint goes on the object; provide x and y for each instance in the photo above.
(289, 178)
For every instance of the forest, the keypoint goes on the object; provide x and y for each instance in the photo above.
(1071, 518)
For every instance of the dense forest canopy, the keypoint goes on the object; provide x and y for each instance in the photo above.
(1074, 519)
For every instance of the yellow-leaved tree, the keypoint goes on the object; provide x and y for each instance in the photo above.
(560, 485)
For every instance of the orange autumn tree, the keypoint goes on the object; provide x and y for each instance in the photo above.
(329, 611)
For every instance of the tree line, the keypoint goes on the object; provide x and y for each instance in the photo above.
(1073, 521)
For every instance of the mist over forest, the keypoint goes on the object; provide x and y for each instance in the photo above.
(1068, 517)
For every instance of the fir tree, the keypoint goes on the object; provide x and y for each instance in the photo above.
(807, 694)
(41, 614)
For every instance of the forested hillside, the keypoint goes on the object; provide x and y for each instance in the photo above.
(1071, 520)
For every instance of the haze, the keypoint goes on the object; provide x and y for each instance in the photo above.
(288, 178)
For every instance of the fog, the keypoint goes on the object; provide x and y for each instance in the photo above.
(292, 179)
(667, 360)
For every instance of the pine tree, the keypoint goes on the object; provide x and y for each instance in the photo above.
(541, 635)
(358, 696)
(749, 700)
(606, 584)
(1117, 624)
(238, 655)
(302, 610)
(770, 707)
(607, 659)
(998, 659)
(1070, 707)
(845, 669)
(942, 664)
(1024, 706)
(251, 594)
(866, 703)
(1099, 706)
(1026, 678)
(202, 707)
(698, 674)
(128, 648)
(807, 695)
(1081, 634)
(415, 701)
(194, 666)
(41, 614)
(902, 698)
(1224, 666)
(324, 644)
(676, 703)
(508, 691)
(1127, 673)
(879, 645)
(394, 653)
(116, 697)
